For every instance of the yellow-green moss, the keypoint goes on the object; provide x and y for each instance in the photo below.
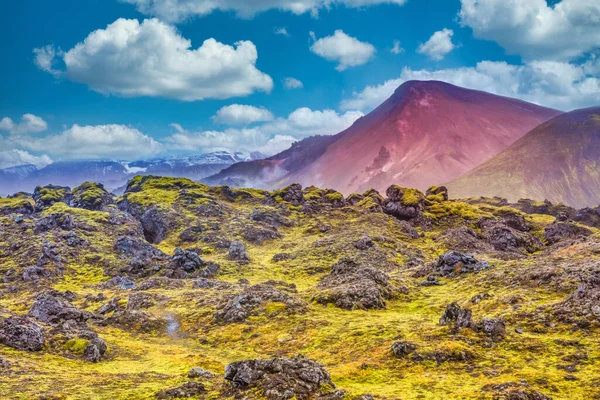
(76, 346)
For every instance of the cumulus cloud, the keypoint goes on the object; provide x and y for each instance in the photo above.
(396, 49)
(179, 10)
(554, 84)
(535, 29)
(239, 114)
(281, 31)
(98, 141)
(29, 124)
(438, 45)
(292, 83)
(346, 50)
(14, 157)
(153, 59)
(270, 137)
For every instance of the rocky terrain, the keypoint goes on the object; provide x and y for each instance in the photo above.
(181, 290)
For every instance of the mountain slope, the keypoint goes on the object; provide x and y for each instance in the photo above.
(426, 133)
(559, 161)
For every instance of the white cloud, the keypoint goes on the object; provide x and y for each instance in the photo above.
(281, 31)
(153, 59)
(179, 10)
(534, 29)
(270, 137)
(14, 157)
(99, 141)
(239, 114)
(29, 124)
(397, 49)
(346, 50)
(292, 83)
(177, 127)
(438, 45)
(559, 85)
(45, 57)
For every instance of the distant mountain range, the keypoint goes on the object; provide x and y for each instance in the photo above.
(115, 174)
(426, 133)
(558, 161)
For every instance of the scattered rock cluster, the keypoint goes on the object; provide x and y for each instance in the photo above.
(351, 285)
(281, 378)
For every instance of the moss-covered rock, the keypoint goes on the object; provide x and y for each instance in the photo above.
(91, 196)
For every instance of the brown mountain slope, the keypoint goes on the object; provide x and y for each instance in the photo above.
(426, 133)
(559, 161)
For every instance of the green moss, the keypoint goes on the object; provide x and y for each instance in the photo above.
(435, 198)
(14, 203)
(51, 193)
(76, 346)
(438, 210)
(368, 203)
(337, 196)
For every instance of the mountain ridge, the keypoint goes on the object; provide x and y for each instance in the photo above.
(558, 161)
(426, 133)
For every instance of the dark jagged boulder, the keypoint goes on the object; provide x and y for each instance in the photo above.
(351, 285)
(544, 207)
(94, 351)
(558, 231)
(259, 234)
(492, 327)
(138, 301)
(281, 378)
(253, 299)
(506, 239)
(454, 263)
(54, 307)
(143, 256)
(292, 194)
(404, 203)
(364, 243)
(465, 239)
(47, 196)
(155, 224)
(35, 273)
(91, 196)
(21, 333)
(589, 216)
(237, 252)
(54, 221)
(402, 349)
(458, 317)
(191, 234)
(583, 304)
(270, 216)
(186, 263)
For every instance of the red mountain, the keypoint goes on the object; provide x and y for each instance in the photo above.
(558, 161)
(426, 133)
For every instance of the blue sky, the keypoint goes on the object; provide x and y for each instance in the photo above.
(148, 84)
